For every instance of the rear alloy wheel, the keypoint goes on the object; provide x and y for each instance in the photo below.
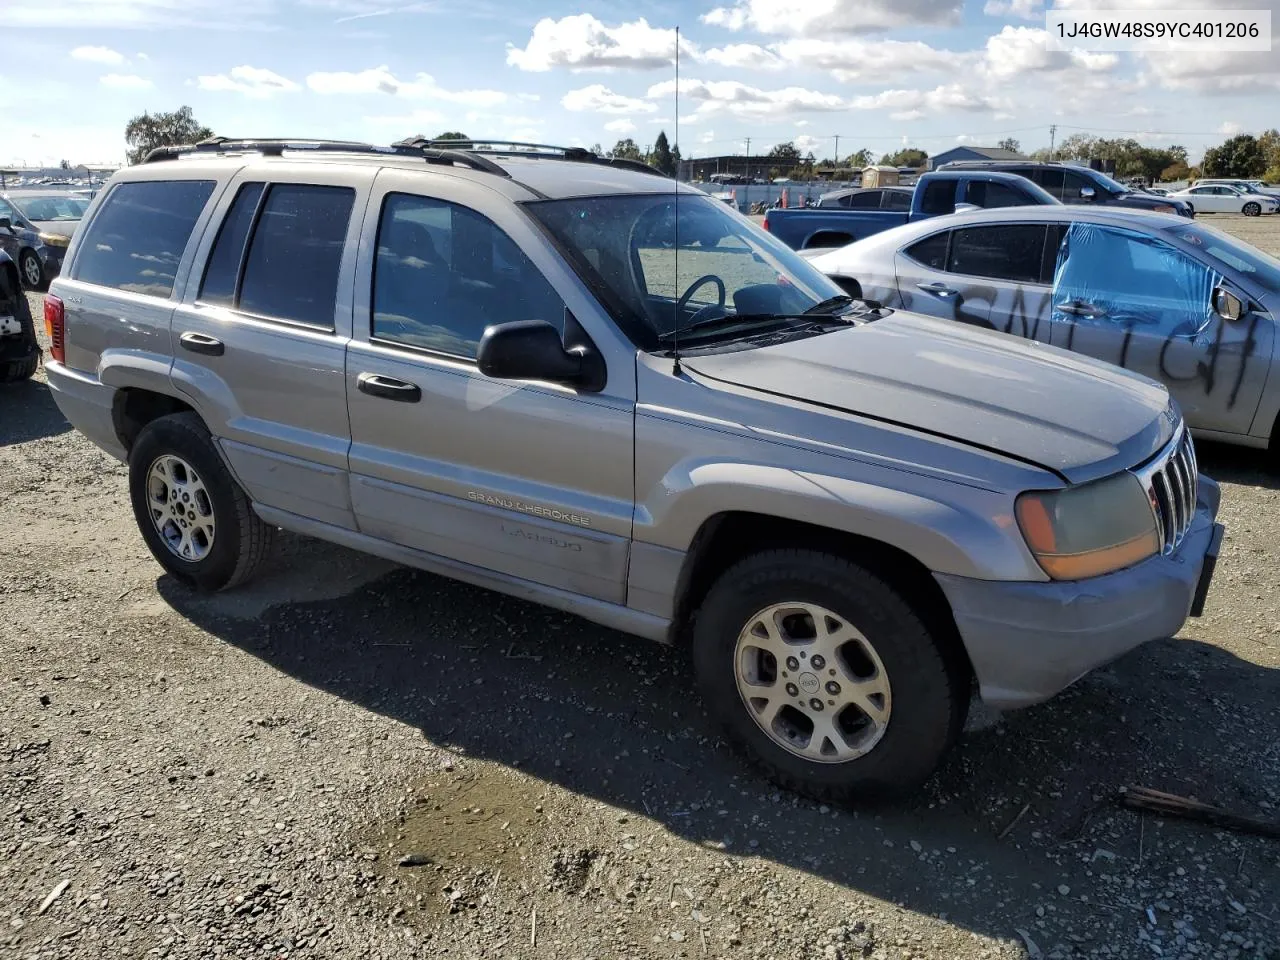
(824, 676)
(1252, 209)
(32, 270)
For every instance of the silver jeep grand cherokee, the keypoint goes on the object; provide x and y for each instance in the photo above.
(576, 382)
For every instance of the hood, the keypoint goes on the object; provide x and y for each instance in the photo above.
(1077, 417)
(1149, 201)
(59, 228)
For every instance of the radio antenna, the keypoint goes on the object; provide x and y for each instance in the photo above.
(675, 218)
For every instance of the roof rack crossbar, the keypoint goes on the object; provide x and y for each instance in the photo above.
(521, 148)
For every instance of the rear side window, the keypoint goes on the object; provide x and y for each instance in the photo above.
(931, 252)
(136, 240)
(291, 271)
(939, 198)
(1051, 179)
(868, 199)
(896, 200)
(989, 193)
(1009, 251)
(220, 276)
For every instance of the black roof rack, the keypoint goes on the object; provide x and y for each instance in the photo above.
(468, 153)
(521, 148)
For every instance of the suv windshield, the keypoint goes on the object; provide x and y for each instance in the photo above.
(1115, 186)
(1230, 252)
(624, 247)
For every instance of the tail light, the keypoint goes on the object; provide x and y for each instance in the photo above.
(55, 326)
(765, 223)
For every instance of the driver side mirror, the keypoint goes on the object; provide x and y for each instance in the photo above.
(533, 350)
(5, 223)
(1227, 305)
(1087, 193)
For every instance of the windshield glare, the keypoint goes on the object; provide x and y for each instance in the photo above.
(1230, 252)
(1114, 186)
(625, 247)
(51, 208)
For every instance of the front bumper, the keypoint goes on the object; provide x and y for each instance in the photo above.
(1028, 641)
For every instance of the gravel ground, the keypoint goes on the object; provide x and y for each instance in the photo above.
(240, 776)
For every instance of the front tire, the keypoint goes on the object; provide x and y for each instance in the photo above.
(825, 677)
(1252, 209)
(197, 522)
(32, 270)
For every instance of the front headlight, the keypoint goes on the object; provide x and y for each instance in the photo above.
(54, 240)
(1089, 530)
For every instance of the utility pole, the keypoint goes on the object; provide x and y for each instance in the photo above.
(836, 163)
(1053, 132)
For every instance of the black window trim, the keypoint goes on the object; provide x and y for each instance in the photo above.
(946, 256)
(73, 272)
(234, 307)
(977, 276)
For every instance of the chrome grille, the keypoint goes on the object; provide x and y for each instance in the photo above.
(1172, 481)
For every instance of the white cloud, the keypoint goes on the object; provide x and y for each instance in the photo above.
(914, 104)
(807, 144)
(581, 42)
(125, 81)
(853, 59)
(598, 98)
(803, 123)
(745, 56)
(104, 55)
(142, 56)
(380, 80)
(1229, 128)
(708, 136)
(746, 101)
(1026, 9)
(621, 125)
(822, 18)
(1216, 71)
(1019, 50)
(257, 83)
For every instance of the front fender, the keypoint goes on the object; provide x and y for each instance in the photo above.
(958, 530)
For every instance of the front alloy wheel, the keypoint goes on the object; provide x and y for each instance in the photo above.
(812, 682)
(32, 270)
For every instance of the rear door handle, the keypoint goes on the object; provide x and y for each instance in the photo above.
(937, 289)
(1080, 309)
(388, 388)
(202, 343)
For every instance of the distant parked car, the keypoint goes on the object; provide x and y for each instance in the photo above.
(37, 253)
(1074, 183)
(1176, 300)
(56, 214)
(1224, 198)
(1158, 191)
(1253, 186)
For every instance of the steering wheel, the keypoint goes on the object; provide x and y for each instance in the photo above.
(698, 284)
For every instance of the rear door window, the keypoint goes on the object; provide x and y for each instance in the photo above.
(989, 193)
(939, 198)
(291, 270)
(1008, 251)
(136, 240)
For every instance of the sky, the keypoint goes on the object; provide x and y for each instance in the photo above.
(880, 74)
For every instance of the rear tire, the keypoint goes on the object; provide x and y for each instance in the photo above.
(1252, 209)
(198, 523)
(882, 707)
(31, 270)
(23, 368)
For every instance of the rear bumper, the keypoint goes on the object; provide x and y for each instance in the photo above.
(1028, 641)
(87, 404)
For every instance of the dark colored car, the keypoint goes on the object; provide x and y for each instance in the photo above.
(1075, 183)
(19, 351)
(868, 198)
(36, 246)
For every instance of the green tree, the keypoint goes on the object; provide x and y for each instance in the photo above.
(858, 159)
(456, 135)
(64, 165)
(784, 151)
(1241, 156)
(661, 157)
(597, 150)
(1010, 144)
(625, 149)
(1176, 172)
(1269, 143)
(147, 131)
(906, 157)
(676, 158)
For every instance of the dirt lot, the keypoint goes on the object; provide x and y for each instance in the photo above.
(239, 776)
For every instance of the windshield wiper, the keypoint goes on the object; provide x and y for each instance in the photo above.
(733, 319)
(829, 305)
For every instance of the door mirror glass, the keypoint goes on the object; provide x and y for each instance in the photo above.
(4, 223)
(1087, 193)
(529, 350)
(1227, 305)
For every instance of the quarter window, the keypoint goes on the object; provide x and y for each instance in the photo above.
(931, 252)
(136, 240)
(220, 276)
(443, 273)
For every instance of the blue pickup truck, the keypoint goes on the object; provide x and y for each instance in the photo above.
(935, 194)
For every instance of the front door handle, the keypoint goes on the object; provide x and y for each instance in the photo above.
(1080, 308)
(388, 388)
(202, 343)
(937, 289)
